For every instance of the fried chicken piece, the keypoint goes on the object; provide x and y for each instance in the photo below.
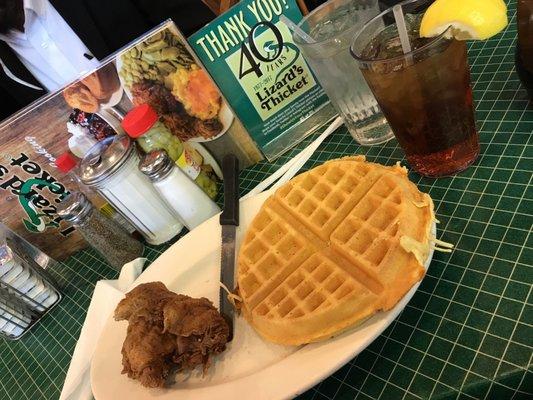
(167, 331)
(200, 330)
(147, 301)
(147, 353)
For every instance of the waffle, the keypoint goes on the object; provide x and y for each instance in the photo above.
(332, 247)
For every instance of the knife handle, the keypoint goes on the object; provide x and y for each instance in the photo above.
(230, 172)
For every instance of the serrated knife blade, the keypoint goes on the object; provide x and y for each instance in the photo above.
(229, 220)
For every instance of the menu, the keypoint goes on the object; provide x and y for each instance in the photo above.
(253, 59)
(159, 69)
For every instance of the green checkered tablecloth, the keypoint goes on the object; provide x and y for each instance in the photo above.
(467, 331)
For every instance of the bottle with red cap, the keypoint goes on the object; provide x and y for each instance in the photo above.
(67, 163)
(142, 124)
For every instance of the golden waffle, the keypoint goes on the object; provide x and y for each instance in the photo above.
(332, 247)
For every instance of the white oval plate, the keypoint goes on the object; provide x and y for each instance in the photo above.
(250, 365)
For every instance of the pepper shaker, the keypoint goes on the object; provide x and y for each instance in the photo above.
(105, 235)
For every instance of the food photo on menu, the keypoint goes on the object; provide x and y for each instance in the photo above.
(303, 199)
(161, 72)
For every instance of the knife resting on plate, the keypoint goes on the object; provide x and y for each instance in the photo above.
(229, 220)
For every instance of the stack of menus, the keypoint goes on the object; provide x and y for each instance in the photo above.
(238, 86)
(159, 69)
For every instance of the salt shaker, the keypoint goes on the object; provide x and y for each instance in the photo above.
(190, 202)
(111, 167)
(105, 235)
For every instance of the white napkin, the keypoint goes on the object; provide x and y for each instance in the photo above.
(106, 296)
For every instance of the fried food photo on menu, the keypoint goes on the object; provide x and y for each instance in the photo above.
(193, 88)
(172, 112)
(97, 88)
(167, 333)
(161, 72)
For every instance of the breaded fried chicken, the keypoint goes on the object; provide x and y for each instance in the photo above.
(147, 353)
(168, 331)
(199, 328)
(147, 301)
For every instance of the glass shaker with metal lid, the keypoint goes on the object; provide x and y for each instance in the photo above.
(105, 235)
(111, 167)
(190, 202)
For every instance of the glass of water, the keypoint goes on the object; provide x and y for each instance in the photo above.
(332, 26)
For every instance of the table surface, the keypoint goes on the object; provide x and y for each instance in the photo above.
(467, 331)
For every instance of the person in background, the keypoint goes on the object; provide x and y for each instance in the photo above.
(45, 44)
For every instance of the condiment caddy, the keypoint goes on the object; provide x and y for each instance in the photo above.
(26, 290)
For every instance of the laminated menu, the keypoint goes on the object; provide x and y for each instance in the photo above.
(159, 69)
(253, 59)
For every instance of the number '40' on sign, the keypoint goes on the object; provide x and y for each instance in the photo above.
(251, 53)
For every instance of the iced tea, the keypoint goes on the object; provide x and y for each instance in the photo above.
(425, 95)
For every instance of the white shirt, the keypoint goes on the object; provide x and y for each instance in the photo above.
(48, 47)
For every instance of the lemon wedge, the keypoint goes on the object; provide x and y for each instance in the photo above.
(470, 19)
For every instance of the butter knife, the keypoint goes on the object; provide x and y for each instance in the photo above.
(229, 220)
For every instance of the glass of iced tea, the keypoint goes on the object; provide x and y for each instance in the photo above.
(425, 94)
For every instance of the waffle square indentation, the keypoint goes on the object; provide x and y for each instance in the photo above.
(382, 219)
(304, 289)
(255, 251)
(320, 191)
(274, 233)
(294, 198)
(288, 247)
(307, 207)
(309, 182)
(314, 301)
(268, 266)
(334, 175)
(321, 217)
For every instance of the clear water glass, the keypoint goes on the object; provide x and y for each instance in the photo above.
(333, 26)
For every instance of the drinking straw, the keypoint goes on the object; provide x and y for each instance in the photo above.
(296, 29)
(402, 29)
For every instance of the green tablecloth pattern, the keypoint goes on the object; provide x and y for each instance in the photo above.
(467, 332)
